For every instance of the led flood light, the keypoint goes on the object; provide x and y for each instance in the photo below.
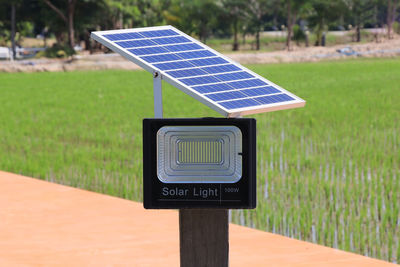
(199, 163)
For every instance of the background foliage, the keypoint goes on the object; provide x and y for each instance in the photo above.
(71, 21)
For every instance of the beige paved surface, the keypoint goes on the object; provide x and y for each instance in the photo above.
(45, 224)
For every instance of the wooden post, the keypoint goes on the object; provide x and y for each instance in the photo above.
(203, 235)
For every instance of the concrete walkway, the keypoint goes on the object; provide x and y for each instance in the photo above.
(46, 224)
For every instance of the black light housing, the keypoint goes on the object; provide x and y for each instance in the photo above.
(199, 163)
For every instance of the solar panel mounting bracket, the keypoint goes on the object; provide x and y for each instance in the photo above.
(157, 91)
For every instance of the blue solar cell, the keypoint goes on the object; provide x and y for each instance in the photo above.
(113, 37)
(159, 33)
(134, 35)
(242, 103)
(226, 96)
(273, 99)
(285, 97)
(199, 80)
(266, 99)
(171, 40)
(183, 47)
(219, 87)
(260, 91)
(234, 76)
(174, 65)
(196, 54)
(161, 58)
(123, 36)
(186, 73)
(135, 43)
(247, 83)
(221, 69)
(208, 61)
(148, 51)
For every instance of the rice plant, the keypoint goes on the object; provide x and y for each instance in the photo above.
(328, 173)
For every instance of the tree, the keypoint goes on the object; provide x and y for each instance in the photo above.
(200, 11)
(116, 13)
(8, 22)
(391, 16)
(234, 10)
(254, 13)
(293, 7)
(12, 16)
(89, 16)
(360, 10)
(323, 12)
(67, 16)
(151, 11)
(194, 16)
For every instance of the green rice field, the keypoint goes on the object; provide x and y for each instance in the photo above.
(328, 173)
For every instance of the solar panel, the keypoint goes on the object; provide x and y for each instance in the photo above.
(213, 79)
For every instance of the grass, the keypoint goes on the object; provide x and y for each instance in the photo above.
(328, 173)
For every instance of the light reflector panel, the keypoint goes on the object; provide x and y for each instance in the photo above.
(199, 154)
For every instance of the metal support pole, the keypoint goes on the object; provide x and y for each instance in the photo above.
(204, 237)
(157, 89)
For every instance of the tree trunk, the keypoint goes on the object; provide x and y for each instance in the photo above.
(120, 20)
(375, 15)
(14, 52)
(258, 39)
(69, 19)
(45, 38)
(358, 33)
(289, 25)
(71, 32)
(88, 43)
(318, 39)
(203, 33)
(307, 39)
(391, 15)
(320, 29)
(389, 19)
(235, 36)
